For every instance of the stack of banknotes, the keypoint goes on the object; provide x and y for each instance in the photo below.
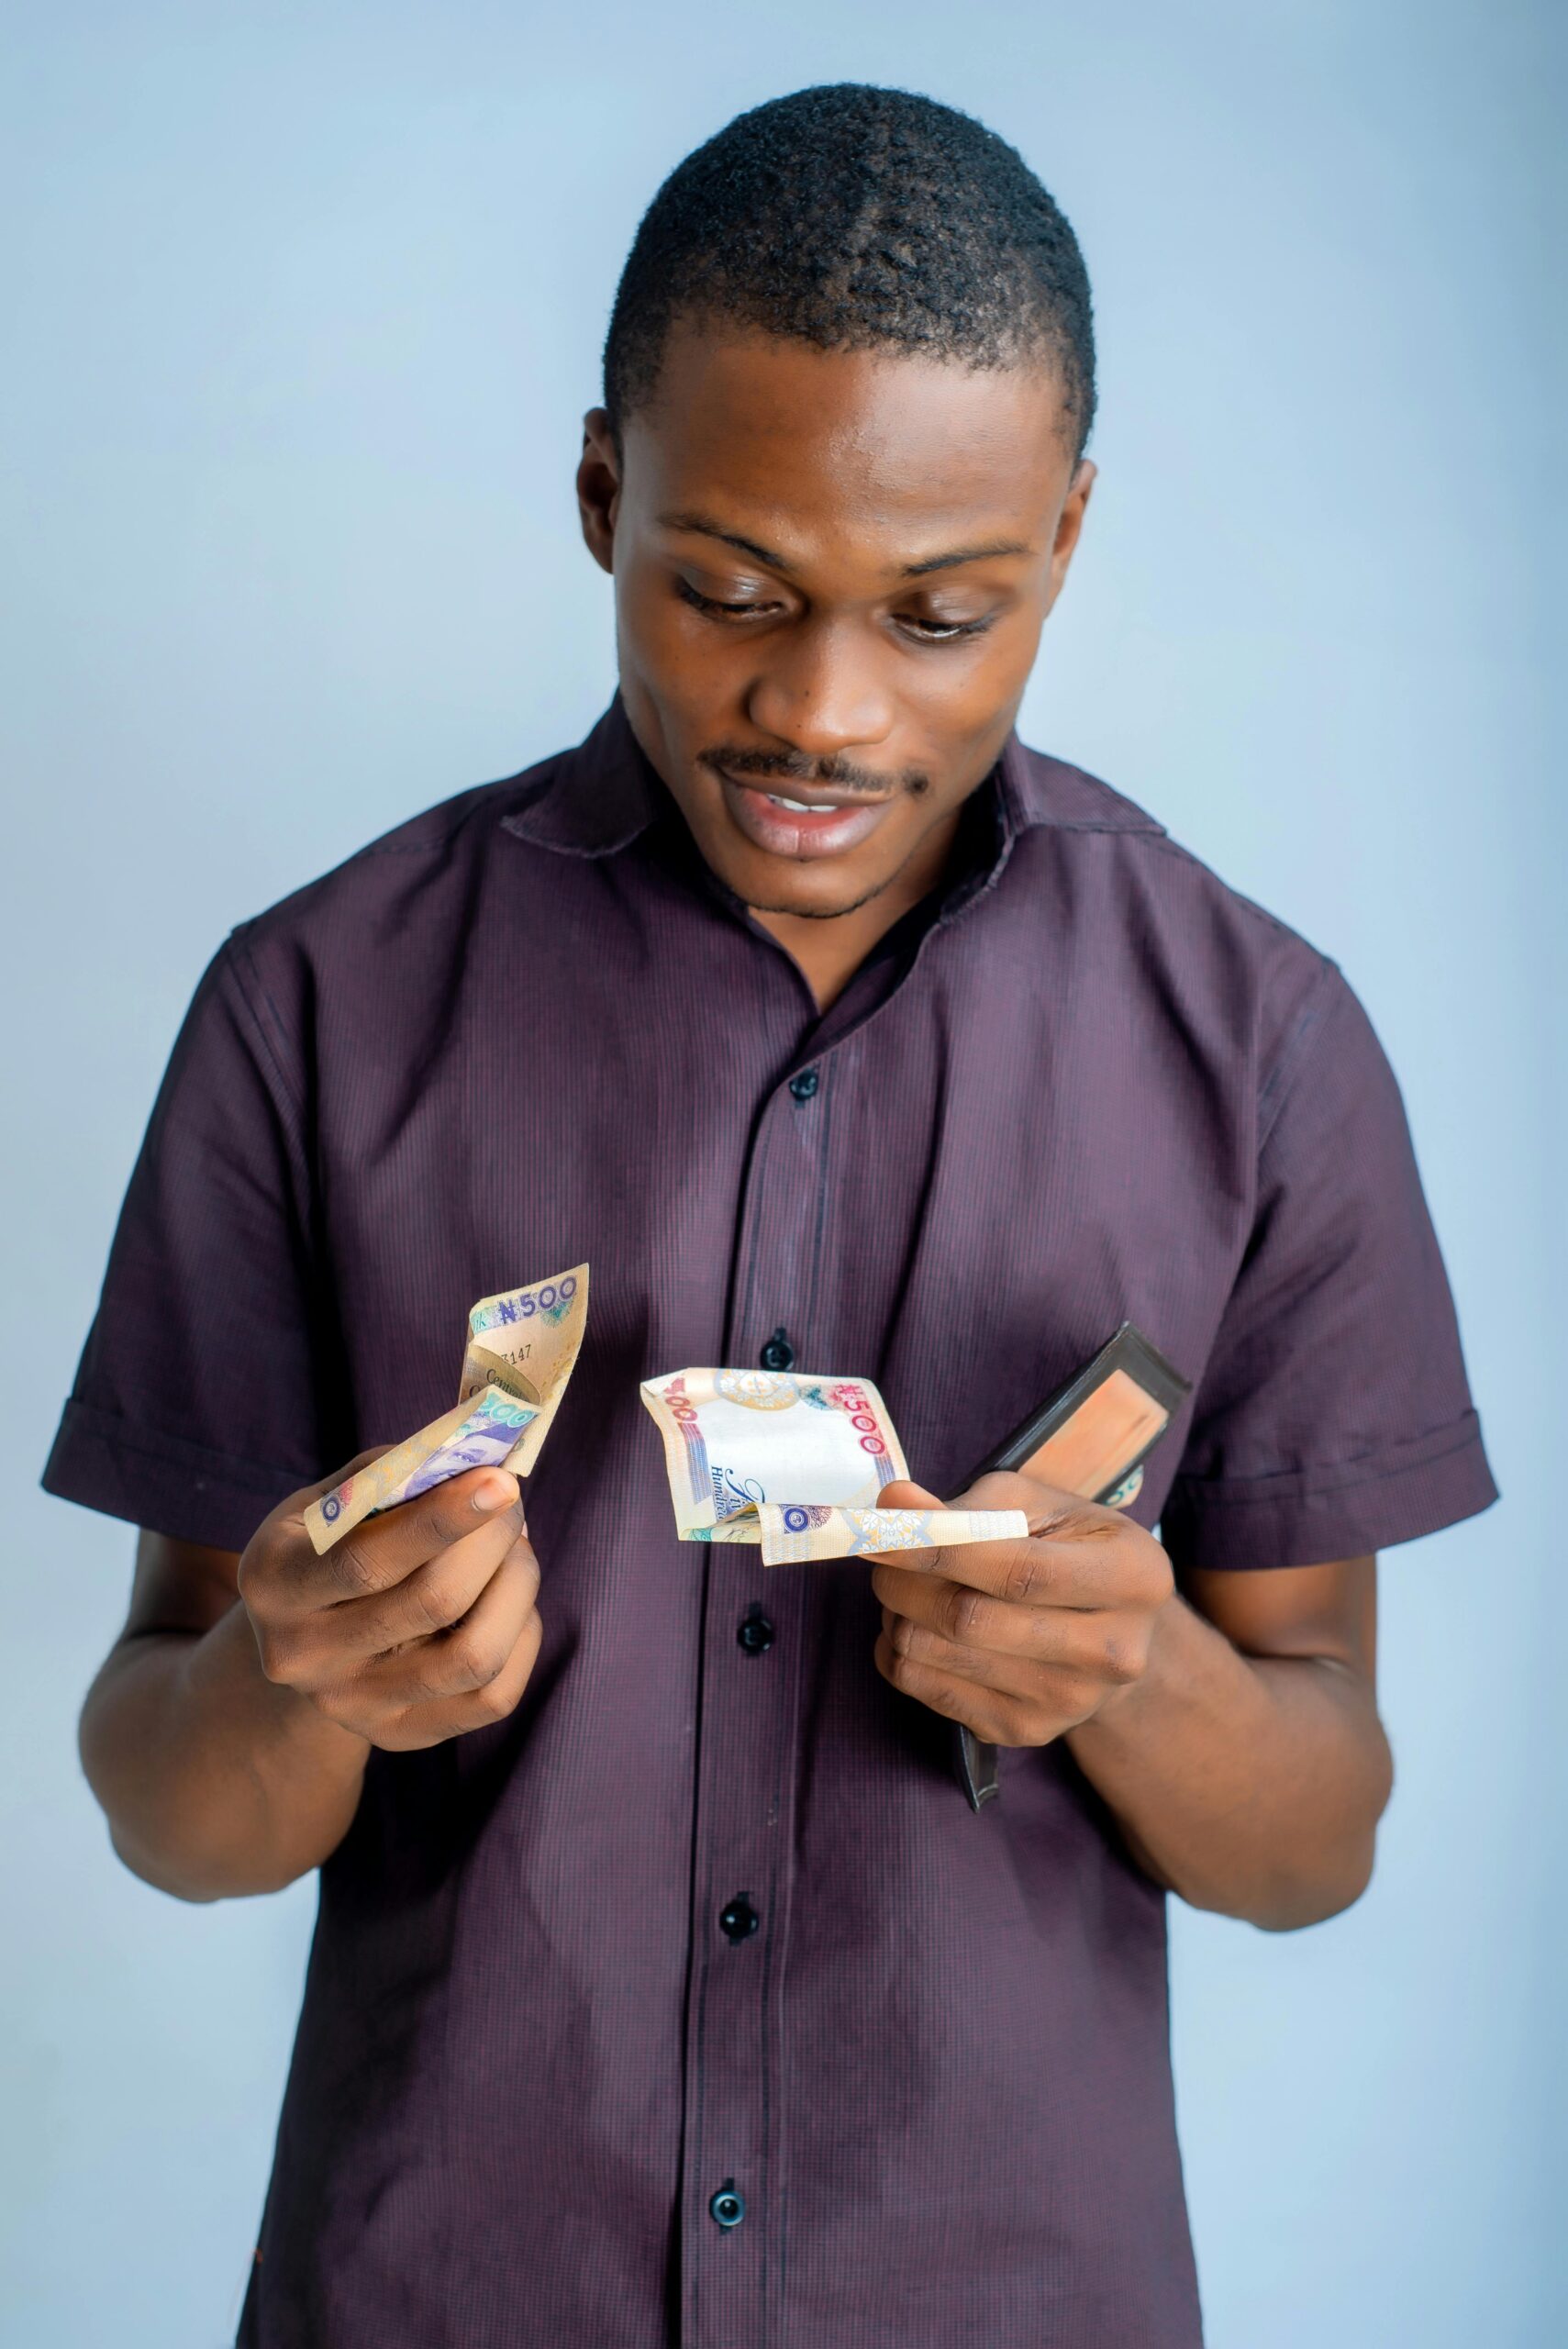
(790, 1461)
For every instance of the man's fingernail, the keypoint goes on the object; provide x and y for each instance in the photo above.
(490, 1497)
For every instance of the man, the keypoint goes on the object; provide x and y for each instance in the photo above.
(666, 1988)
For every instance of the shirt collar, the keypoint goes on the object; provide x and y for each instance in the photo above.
(593, 800)
(598, 798)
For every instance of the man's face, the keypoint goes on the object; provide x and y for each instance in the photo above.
(831, 570)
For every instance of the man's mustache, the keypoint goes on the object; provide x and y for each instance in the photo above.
(831, 774)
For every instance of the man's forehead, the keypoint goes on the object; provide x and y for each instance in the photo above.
(695, 522)
(745, 425)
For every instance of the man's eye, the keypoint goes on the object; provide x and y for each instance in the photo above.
(930, 631)
(714, 604)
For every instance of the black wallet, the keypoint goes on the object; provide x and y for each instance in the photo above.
(1090, 1439)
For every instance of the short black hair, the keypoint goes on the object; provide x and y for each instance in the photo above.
(855, 218)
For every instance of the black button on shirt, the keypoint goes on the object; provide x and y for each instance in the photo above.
(727, 2206)
(756, 1633)
(737, 1920)
(778, 1353)
(803, 1086)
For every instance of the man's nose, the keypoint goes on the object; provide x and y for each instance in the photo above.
(821, 693)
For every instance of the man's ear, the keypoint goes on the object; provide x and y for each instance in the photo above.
(1069, 524)
(599, 487)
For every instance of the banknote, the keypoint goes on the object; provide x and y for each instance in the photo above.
(793, 1535)
(481, 1433)
(786, 1457)
(527, 1341)
(521, 1349)
(734, 1438)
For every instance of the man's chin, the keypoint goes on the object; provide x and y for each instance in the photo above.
(824, 890)
(815, 910)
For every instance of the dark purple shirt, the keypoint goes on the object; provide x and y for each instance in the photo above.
(1085, 1083)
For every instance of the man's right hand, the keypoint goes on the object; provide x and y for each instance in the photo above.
(419, 1624)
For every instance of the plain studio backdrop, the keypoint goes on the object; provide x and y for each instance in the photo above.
(307, 306)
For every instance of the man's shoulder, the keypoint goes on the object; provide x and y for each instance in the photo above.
(1069, 802)
(1176, 921)
(368, 948)
(576, 803)
(425, 849)
(449, 827)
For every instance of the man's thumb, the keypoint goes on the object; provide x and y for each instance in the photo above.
(906, 1494)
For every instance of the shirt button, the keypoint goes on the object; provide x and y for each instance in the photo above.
(737, 1920)
(778, 1353)
(727, 2206)
(756, 1633)
(803, 1086)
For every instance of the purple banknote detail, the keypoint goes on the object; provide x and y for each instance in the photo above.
(484, 1440)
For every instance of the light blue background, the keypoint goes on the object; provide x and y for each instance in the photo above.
(309, 304)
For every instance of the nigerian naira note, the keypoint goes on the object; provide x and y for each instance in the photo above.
(795, 1462)
(795, 1534)
(521, 1349)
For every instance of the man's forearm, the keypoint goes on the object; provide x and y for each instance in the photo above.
(215, 1781)
(1249, 1785)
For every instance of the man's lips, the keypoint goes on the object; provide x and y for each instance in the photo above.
(820, 822)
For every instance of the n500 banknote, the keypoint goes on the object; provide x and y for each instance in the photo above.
(795, 1462)
(521, 1349)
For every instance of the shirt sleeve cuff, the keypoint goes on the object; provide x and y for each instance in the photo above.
(1310, 1516)
(162, 1482)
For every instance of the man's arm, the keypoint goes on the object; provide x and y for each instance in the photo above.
(1247, 1765)
(227, 1735)
(1243, 1754)
(214, 1779)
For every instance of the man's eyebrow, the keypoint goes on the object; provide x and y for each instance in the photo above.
(708, 528)
(965, 554)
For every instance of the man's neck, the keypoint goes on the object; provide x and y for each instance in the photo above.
(829, 950)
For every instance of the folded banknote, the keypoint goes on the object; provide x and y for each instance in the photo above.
(795, 1534)
(795, 1464)
(521, 1349)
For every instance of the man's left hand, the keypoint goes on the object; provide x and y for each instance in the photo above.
(1020, 1640)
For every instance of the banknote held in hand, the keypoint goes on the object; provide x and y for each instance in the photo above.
(795, 1464)
(522, 1346)
(792, 1463)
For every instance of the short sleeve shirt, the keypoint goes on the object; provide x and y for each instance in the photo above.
(1086, 1083)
